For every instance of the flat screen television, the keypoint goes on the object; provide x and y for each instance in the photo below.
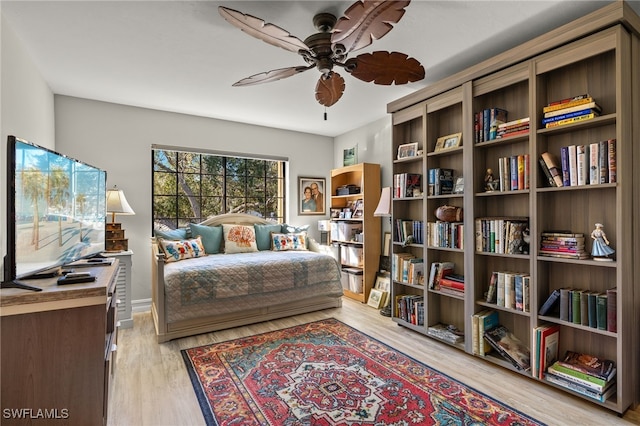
(56, 212)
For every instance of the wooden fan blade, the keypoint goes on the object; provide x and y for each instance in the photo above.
(365, 21)
(329, 90)
(385, 68)
(273, 75)
(261, 30)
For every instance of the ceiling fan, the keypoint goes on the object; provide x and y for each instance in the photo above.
(362, 23)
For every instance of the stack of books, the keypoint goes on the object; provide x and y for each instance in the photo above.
(452, 284)
(570, 110)
(509, 346)
(513, 128)
(584, 374)
(566, 245)
(447, 333)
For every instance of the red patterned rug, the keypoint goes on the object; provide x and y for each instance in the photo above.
(327, 373)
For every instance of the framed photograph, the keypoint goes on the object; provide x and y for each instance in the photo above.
(386, 246)
(448, 142)
(335, 213)
(311, 192)
(383, 282)
(458, 187)
(376, 298)
(358, 208)
(350, 156)
(408, 150)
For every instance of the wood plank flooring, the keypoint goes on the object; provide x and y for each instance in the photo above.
(151, 385)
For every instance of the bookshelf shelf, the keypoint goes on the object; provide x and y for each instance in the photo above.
(598, 55)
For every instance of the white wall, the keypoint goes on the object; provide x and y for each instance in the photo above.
(374, 146)
(118, 138)
(26, 109)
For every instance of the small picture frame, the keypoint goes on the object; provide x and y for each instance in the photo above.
(376, 298)
(358, 209)
(335, 213)
(408, 150)
(458, 187)
(383, 282)
(350, 156)
(448, 142)
(311, 192)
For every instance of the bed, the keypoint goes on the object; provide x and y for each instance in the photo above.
(219, 291)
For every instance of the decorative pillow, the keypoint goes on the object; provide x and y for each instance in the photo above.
(292, 229)
(211, 236)
(239, 239)
(172, 234)
(281, 242)
(263, 235)
(182, 249)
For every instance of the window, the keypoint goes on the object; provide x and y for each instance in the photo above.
(192, 186)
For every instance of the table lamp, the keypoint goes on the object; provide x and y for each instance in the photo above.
(116, 204)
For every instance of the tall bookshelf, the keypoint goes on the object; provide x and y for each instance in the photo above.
(598, 54)
(366, 177)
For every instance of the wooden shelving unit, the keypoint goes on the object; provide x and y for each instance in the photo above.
(365, 176)
(598, 54)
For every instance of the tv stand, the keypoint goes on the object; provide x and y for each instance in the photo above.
(20, 285)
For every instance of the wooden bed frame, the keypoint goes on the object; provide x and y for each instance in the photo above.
(166, 331)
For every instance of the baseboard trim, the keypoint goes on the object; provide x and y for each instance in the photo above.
(140, 305)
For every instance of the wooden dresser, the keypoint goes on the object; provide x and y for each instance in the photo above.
(57, 350)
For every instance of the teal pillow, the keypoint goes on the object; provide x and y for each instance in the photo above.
(211, 236)
(263, 235)
(172, 234)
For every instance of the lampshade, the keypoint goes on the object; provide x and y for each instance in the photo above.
(384, 205)
(117, 203)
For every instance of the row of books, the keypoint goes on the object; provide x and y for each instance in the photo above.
(408, 268)
(584, 374)
(483, 320)
(513, 128)
(440, 181)
(589, 308)
(486, 123)
(509, 346)
(410, 308)
(545, 353)
(570, 110)
(510, 290)
(590, 164)
(445, 234)
(514, 173)
(508, 235)
(565, 245)
(407, 185)
(406, 228)
(447, 333)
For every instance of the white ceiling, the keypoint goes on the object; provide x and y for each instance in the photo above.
(182, 56)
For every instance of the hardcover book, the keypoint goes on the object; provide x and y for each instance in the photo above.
(549, 337)
(612, 311)
(551, 302)
(554, 167)
(509, 346)
(603, 369)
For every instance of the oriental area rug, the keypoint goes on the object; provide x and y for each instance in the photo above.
(327, 373)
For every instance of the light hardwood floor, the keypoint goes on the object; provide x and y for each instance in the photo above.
(151, 385)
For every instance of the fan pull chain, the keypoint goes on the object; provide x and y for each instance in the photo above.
(325, 113)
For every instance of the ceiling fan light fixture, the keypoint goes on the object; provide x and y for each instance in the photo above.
(362, 23)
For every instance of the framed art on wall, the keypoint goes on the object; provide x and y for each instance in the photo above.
(311, 192)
